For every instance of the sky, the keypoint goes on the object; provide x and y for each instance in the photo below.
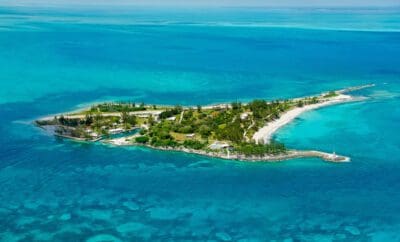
(230, 3)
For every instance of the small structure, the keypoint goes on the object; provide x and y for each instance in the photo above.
(221, 106)
(217, 145)
(332, 156)
(244, 116)
(190, 136)
(94, 135)
(116, 131)
(146, 114)
(173, 118)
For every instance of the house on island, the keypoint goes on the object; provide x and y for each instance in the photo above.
(145, 114)
(244, 116)
(173, 118)
(217, 145)
(221, 106)
(116, 131)
(190, 136)
(92, 134)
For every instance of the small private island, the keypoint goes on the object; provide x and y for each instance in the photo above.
(239, 131)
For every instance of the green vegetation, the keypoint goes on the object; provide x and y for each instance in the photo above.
(250, 149)
(79, 132)
(198, 128)
(92, 126)
(118, 107)
(330, 94)
(128, 120)
(171, 112)
(142, 139)
(194, 144)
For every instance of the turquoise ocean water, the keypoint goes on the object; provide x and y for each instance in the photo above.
(54, 60)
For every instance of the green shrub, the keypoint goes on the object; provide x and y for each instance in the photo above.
(260, 149)
(142, 139)
(193, 144)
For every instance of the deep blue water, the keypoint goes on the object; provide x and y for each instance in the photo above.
(58, 59)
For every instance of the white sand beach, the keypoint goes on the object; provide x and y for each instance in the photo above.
(264, 134)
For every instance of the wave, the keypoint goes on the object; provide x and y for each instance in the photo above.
(275, 25)
(356, 20)
(38, 25)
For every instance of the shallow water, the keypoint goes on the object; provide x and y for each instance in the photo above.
(57, 190)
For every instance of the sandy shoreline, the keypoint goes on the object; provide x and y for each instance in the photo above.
(264, 134)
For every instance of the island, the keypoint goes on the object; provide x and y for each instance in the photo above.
(237, 131)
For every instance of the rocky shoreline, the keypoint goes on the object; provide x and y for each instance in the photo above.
(290, 154)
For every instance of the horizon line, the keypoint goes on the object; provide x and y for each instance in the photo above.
(199, 6)
(102, 3)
